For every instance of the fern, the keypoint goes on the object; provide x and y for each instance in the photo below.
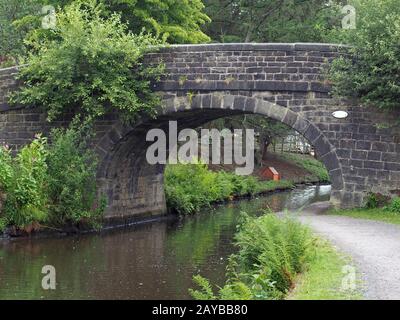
(205, 292)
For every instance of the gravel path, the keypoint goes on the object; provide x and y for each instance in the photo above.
(374, 247)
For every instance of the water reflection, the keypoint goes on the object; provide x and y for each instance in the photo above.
(148, 261)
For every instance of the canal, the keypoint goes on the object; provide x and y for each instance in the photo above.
(154, 260)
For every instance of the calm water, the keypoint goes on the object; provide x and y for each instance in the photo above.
(149, 261)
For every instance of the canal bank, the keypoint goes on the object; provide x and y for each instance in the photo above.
(46, 232)
(154, 260)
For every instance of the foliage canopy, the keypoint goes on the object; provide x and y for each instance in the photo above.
(89, 65)
(272, 20)
(175, 21)
(371, 71)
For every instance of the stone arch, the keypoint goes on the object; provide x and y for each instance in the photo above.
(135, 188)
(362, 156)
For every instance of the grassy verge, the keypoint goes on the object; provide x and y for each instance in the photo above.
(378, 214)
(189, 187)
(323, 277)
(317, 170)
(278, 259)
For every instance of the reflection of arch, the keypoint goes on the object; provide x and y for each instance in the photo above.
(133, 186)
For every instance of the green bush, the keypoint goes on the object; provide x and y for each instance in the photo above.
(242, 185)
(376, 200)
(394, 205)
(176, 21)
(52, 184)
(279, 247)
(88, 65)
(272, 252)
(72, 179)
(12, 33)
(189, 187)
(6, 176)
(27, 199)
(6, 170)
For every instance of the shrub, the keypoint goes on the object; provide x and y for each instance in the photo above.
(72, 178)
(376, 200)
(6, 170)
(26, 202)
(234, 291)
(272, 252)
(88, 65)
(176, 21)
(53, 184)
(279, 248)
(394, 205)
(189, 187)
(243, 185)
(12, 33)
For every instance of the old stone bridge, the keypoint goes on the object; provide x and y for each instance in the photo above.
(281, 81)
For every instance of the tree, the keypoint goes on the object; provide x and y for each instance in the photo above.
(272, 20)
(89, 65)
(176, 21)
(371, 70)
(268, 130)
(12, 33)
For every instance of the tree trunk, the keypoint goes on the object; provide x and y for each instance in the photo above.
(249, 34)
(264, 148)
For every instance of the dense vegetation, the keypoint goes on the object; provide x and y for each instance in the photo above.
(273, 20)
(189, 187)
(173, 21)
(371, 71)
(272, 253)
(85, 66)
(12, 34)
(49, 184)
